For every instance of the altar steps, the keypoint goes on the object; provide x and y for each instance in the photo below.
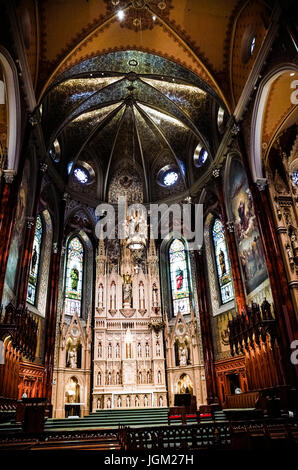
(112, 419)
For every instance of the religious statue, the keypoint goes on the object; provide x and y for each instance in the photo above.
(109, 403)
(145, 400)
(73, 358)
(119, 401)
(127, 289)
(142, 299)
(100, 295)
(74, 276)
(182, 356)
(154, 295)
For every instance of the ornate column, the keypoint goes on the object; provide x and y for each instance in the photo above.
(231, 245)
(8, 208)
(205, 328)
(52, 304)
(28, 241)
(277, 275)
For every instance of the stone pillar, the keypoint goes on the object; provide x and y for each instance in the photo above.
(52, 305)
(28, 242)
(202, 288)
(231, 245)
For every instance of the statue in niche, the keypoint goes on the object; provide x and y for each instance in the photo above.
(127, 289)
(100, 295)
(160, 401)
(154, 295)
(145, 400)
(109, 378)
(99, 350)
(109, 403)
(109, 351)
(74, 276)
(73, 358)
(159, 377)
(117, 378)
(137, 403)
(117, 351)
(142, 298)
(139, 350)
(182, 356)
(128, 401)
(157, 348)
(147, 350)
(113, 296)
(119, 401)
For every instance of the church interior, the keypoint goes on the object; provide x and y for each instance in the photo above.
(117, 118)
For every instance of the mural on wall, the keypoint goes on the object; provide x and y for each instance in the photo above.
(247, 234)
(18, 231)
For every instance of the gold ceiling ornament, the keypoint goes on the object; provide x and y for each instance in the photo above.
(139, 15)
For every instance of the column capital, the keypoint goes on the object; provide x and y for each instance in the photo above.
(30, 222)
(230, 226)
(235, 129)
(261, 183)
(9, 176)
(43, 167)
(216, 173)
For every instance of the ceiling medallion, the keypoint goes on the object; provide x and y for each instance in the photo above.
(139, 15)
(139, 3)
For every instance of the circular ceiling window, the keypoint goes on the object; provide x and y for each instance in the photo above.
(83, 172)
(81, 175)
(200, 156)
(168, 176)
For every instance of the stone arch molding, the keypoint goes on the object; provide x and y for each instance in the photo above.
(257, 117)
(14, 104)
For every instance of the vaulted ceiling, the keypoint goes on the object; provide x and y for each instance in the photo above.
(135, 106)
(145, 85)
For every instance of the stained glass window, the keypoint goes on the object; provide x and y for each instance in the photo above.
(222, 262)
(74, 277)
(179, 278)
(34, 266)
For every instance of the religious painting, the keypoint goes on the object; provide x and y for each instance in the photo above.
(179, 278)
(34, 267)
(223, 267)
(247, 234)
(74, 277)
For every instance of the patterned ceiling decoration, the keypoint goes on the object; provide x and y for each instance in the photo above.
(130, 106)
(141, 15)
